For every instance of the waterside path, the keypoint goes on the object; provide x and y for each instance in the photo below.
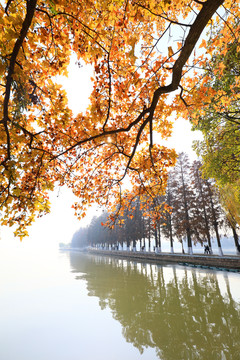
(224, 262)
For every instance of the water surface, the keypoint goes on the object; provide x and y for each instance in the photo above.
(66, 305)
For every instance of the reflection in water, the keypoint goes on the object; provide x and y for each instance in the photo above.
(182, 313)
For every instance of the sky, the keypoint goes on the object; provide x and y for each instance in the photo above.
(60, 225)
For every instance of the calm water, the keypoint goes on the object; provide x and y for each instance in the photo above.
(60, 305)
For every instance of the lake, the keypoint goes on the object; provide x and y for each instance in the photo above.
(66, 305)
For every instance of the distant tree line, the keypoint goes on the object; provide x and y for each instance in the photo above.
(191, 210)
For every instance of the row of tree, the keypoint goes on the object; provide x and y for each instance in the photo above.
(190, 210)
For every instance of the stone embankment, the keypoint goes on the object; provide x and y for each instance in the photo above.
(202, 261)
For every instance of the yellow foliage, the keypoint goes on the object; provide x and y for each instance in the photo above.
(42, 143)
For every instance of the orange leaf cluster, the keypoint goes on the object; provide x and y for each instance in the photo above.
(135, 70)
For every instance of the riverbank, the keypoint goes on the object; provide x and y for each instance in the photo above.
(203, 261)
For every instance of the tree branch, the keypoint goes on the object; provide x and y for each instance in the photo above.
(31, 5)
(205, 14)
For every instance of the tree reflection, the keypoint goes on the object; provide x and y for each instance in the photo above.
(180, 312)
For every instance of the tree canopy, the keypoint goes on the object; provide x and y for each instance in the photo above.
(219, 121)
(147, 57)
(191, 213)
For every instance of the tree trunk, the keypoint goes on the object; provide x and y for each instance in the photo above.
(207, 227)
(156, 239)
(149, 234)
(169, 222)
(189, 240)
(159, 238)
(215, 224)
(134, 245)
(171, 236)
(236, 239)
(182, 246)
(128, 244)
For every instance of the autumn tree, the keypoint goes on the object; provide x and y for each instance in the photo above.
(202, 203)
(216, 213)
(135, 223)
(183, 196)
(135, 70)
(167, 217)
(196, 212)
(157, 225)
(130, 226)
(99, 235)
(80, 238)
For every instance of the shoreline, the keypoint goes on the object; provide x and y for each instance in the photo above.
(216, 262)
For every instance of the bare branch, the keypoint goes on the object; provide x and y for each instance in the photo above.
(161, 16)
